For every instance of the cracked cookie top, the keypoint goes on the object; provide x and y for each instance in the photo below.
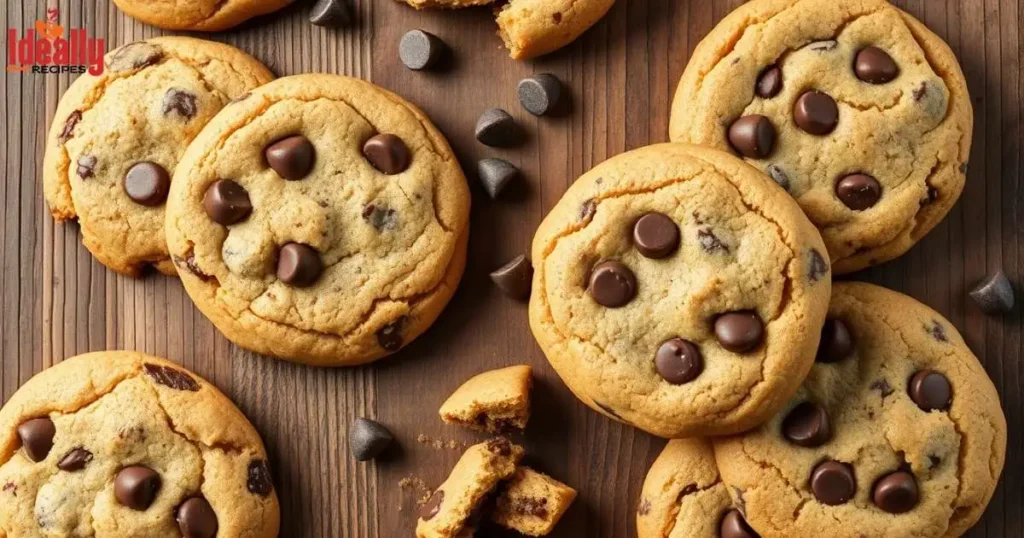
(679, 290)
(897, 431)
(320, 219)
(854, 107)
(201, 15)
(123, 444)
(116, 139)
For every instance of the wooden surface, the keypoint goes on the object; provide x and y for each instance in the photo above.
(58, 302)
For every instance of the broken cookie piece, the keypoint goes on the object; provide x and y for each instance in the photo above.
(493, 401)
(532, 502)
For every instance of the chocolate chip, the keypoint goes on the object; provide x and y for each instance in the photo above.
(37, 437)
(432, 506)
(588, 209)
(540, 94)
(390, 336)
(189, 262)
(381, 218)
(823, 46)
(874, 66)
(258, 480)
(752, 136)
(387, 153)
(994, 295)
(739, 332)
(368, 438)
(299, 265)
(86, 166)
(779, 176)
(171, 377)
(76, 460)
(934, 461)
(196, 519)
(495, 175)
(136, 487)
(227, 202)
(807, 425)
(514, 278)
(612, 284)
(836, 342)
(135, 56)
(68, 132)
(833, 483)
(930, 390)
(421, 50)
(710, 242)
(147, 184)
(896, 493)
(920, 91)
(858, 191)
(655, 235)
(816, 266)
(331, 13)
(292, 157)
(500, 445)
(644, 507)
(496, 128)
(883, 387)
(180, 101)
(769, 82)
(678, 361)
(937, 331)
(734, 526)
(816, 113)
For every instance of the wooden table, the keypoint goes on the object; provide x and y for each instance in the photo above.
(58, 302)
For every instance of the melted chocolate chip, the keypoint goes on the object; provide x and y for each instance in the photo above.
(710, 242)
(135, 56)
(171, 377)
(883, 387)
(920, 91)
(76, 460)
(390, 336)
(68, 132)
(817, 267)
(779, 176)
(86, 166)
(189, 263)
(380, 217)
(259, 480)
(181, 102)
(432, 506)
(937, 331)
(588, 209)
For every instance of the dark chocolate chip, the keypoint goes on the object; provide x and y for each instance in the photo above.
(588, 209)
(779, 176)
(500, 445)
(497, 128)
(37, 437)
(994, 295)
(769, 82)
(76, 460)
(858, 191)
(135, 56)
(331, 13)
(514, 278)
(432, 506)
(816, 113)
(612, 284)
(817, 267)
(171, 377)
(292, 157)
(387, 153)
(930, 390)
(368, 438)
(420, 50)
(299, 265)
(390, 336)
(227, 202)
(873, 65)
(883, 387)
(196, 519)
(495, 175)
(752, 136)
(258, 480)
(937, 331)
(540, 94)
(68, 132)
(189, 262)
(807, 425)
(836, 341)
(739, 332)
(896, 493)
(833, 483)
(86, 166)
(147, 184)
(136, 487)
(380, 217)
(734, 526)
(181, 102)
(678, 361)
(823, 46)
(655, 235)
(710, 242)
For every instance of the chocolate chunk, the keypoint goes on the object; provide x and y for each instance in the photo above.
(387, 153)
(181, 102)
(432, 506)
(540, 94)
(833, 483)
(368, 438)
(496, 128)
(858, 191)
(612, 284)
(710, 242)
(390, 336)
(817, 267)
(37, 437)
(874, 66)
(76, 460)
(196, 519)
(836, 341)
(495, 175)
(227, 202)
(380, 217)
(292, 157)
(752, 136)
(171, 377)
(896, 493)
(823, 46)
(421, 50)
(655, 235)
(514, 278)
(136, 487)
(68, 132)
(331, 13)
(778, 176)
(299, 265)
(994, 295)
(678, 361)
(739, 332)
(734, 526)
(147, 184)
(807, 425)
(816, 113)
(930, 390)
(769, 82)
(258, 480)
(86, 166)
(135, 56)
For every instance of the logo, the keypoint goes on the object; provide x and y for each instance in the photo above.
(45, 49)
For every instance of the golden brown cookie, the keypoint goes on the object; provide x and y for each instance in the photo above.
(532, 502)
(198, 15)
(493, 401)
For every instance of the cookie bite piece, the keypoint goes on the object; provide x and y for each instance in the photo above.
(896, 432)
(117, 138)
(492, 402)
(198, 15)
(532, 502)
(677, 289)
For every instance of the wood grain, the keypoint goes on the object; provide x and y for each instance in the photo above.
(58, 302)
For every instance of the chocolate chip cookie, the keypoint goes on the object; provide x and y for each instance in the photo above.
(532, 502)
(198, 15)
(123, 444)
(854, 107)
(321, 219)
(679, 290)
(493, 402)
(117, 137)
(896, 432)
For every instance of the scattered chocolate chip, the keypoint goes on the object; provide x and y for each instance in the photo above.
(135, 56)
(540, 94)
(390, 336)
(37, 437)
(858, 191)
(833, 483)
(380, 217)
(836, 341)
(421, 50)
(171, 377)
(292, 157)
(68, 132)
(227, 202)
(994, 295)
(497, 128)
(734, 526)
(196, 519)
(136, 487)
(86, 166)
(655, 235)
(514, 278)
(807, 425)
(822, 46)
(752, 136)
(678, 361)
(495, 175)
(180, 101)
(710, 242)
(331, 13)
(779, 176)
(588, 209)
(387, 153)
(816, 113)
(930, 390)
(874, 66)
(739, 332)
(896, 493)
(432, 506)
(612, 284)
(769, 82)
(299, 265)
(258, 480)
(817, 267)
(368, 438)
(937, 331)
(76, 460)
(920, 91)
(147, 184)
